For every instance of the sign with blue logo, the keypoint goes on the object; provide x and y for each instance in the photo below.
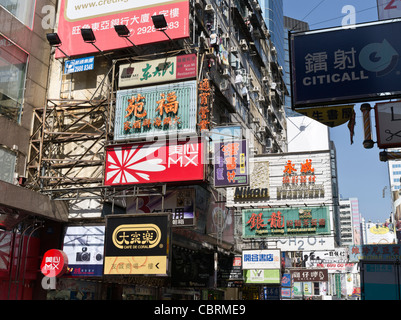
(338, 65)
(261, 259)
(78, 65)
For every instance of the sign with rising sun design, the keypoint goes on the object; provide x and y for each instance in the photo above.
(155, 162)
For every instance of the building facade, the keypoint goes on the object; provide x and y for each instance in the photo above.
(30, 222)
(130, 125)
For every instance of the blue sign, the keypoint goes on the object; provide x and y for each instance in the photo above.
(78, 65)
(336, 66)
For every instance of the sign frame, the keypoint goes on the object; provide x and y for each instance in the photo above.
(380, 81)
(386, 130)
(133, 255)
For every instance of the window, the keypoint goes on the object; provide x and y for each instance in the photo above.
(23, 10)
(7, 165)
(13, 63)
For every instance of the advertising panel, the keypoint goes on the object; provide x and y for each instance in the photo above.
(262, 276)
(332, 260)
(180, 203)
(261, 259)
(154, 162)
(159, 70)
(309, 275)
(376, 252)
(388, 124)
(79, 65)
(102, 15)
(230, 163)
(84, 246)
(388, 9)
(276, 222)
(156, 111)
(137, 244)
(338, 65)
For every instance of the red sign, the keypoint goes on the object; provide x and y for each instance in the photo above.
(54, 263)
(154, 162)
(102, 15)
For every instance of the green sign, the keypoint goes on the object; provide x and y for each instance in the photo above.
(276, 222)
(265, 276)
(156, 110)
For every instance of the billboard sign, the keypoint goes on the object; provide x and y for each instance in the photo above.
(388, 9)
(275, 222)
(388, 124)
(154, 162)
(84, 246)
(375, 252)
(159, 70)
(102, 15)
(309, 275)
(261, 259)
(231, 164)
(78, 65)
(262, 276)
(336, 66)
(156, 110)
(137, 244)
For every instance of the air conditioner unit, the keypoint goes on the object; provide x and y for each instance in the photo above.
(265, 79)
(198, 4)
(280, 68)
(209, 8)
(226, 35)
(243, 44)
(261, 129)
(234, 49)
(255, 89)
(224, 85)
(274, 50)
(255, 120)
(261, 98)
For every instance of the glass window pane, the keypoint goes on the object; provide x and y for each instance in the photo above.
(23, 10)
(7, 165)
(12, 79)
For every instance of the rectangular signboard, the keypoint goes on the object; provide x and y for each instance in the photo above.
(137, 244)
(375, 252)
(102, 15)
(156, 111)
(275, 222)
(262, 276)
(261, 259)
(159, 70)
(154, 162)
(388, 124)
(309, 275)
(338, 65)
(84, 246)
(231, 164)
(78, 65)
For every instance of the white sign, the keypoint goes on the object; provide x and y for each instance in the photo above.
(260, 259)
(306, 243)
(388, 124)
(389, 9)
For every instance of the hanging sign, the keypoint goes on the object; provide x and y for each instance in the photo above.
(388, 124)
(54, 263)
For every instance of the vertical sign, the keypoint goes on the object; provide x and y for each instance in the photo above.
(205, 95)
(388, 124)
(231, 164)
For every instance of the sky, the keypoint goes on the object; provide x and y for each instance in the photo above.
(361, 174)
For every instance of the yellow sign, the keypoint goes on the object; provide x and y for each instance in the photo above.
(135, 265)
(330, 116)
(379, 230)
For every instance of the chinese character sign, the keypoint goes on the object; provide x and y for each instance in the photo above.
(261, 259)
(137, 244)
(230, 163)
(154, 162)
(285, 222)
(309, 275)
(205, 97)
(54, 263)
(101, 16)
(156, 110)
(337, 66)
(159, 70)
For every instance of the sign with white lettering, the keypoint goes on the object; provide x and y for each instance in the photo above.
(388, 124)
(336, 66)
(78, 65)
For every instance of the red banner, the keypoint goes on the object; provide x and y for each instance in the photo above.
(154, 162)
